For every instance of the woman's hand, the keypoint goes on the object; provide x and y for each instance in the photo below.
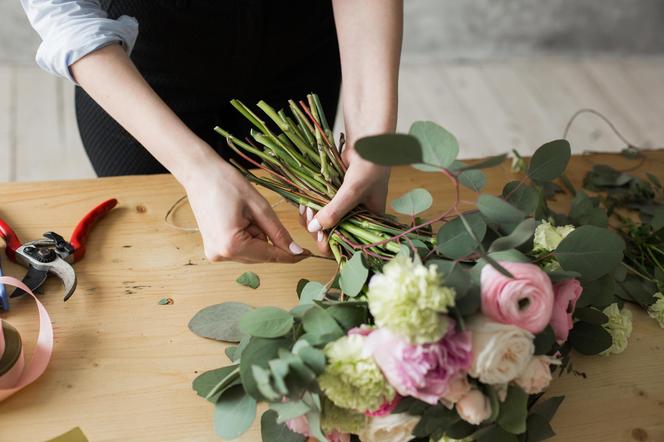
(365, 183)
(235, 221)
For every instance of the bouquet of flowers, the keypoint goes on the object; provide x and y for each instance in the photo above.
(442, 329)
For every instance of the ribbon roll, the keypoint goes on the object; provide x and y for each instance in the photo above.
(15, 374)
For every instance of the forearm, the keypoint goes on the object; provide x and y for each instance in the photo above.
(112, 80)
(370, 35)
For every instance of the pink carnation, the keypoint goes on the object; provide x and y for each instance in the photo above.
(385, 409)
(421, 371)
(566, 294)
(525, 301)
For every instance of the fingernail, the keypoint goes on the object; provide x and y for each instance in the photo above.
(295, 249)
(313, 226)
(301, 209)
(310, 214)
(320, 236)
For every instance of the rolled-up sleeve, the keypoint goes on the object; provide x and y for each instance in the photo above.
(72, 29)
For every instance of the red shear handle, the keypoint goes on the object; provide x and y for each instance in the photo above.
(82, 230)
(11, 240)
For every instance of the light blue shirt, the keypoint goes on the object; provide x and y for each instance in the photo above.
(71, 29)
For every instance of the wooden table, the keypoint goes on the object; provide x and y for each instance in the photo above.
(123, 364)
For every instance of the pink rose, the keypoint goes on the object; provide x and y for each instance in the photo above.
(567, 292)
(537, 374)
(474, 407)
(525, 300)
(422, 371)
(457, 387)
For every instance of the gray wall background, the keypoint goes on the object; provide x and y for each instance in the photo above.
(471, 29)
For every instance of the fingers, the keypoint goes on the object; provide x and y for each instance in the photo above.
(343, 202)
(256, 250)
(269, 223)
(306, 215)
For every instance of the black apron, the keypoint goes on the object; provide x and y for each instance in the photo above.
(199, 54)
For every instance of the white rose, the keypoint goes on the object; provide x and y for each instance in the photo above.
(474, 407)
(548, 237)
(390, 428)
(500, 351)
(457, 387)
(537, 374)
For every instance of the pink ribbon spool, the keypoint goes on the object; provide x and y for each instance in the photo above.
(20, 375)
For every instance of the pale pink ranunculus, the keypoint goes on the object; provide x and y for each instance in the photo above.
(566, 293)
(387, 407)
(474, 407)
(537, 374)
(299, 425)
(422, 371)
(457, 387)
(525, 300)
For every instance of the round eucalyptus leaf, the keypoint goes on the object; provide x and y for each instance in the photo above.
(312, 291)
(220, 321)
(390, 149)
(353, 275)
(414, 202)
(266, 322)
(591, 251)
(550, 161)
(499, 211)
(589, 339)
(271, 430)
(234, 413)
(439, 147)
(453, 239)
(249, 279)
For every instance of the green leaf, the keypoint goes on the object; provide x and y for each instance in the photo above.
(494, 434)
(234, 413)
(590, 315)
(521, 196)
(460, 429)
(273, 431)
(513, 412)
(230, 352)
(249, 279)
(220, 321)
(290, 410)
(598, 292)
(591, 251)
(453, 275)
(475, 180)
(520, 235)
(259, 352)
(313, 418)
(538, 429)
(266, 322)
(390, 149)
(499, 211)
(484, 164)
(549, 161)
(562, 275)
(353, 275)
(544, 340)
(589, 339)
(470, 302)
(454, 240)
(279, 370)
(263, 383)
(205, 382)
(318, 321)
(657, 222)
(349, 315)
(414, 202)
(547, 408)
(313, 358)
(439, 147)
(312, 291)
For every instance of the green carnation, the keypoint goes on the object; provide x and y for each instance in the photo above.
(446, 438)
(656, 310)
(352, 379)
(620, 328)
(408, 299)
(548, 237)
(340, 419)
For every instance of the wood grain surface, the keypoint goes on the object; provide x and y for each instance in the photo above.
(123, 364)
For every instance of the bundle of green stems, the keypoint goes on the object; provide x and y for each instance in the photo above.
(305, 167)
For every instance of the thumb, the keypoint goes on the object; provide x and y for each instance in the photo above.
(346, 199)
(269, 223)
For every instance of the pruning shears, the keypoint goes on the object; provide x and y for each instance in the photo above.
(51, 253)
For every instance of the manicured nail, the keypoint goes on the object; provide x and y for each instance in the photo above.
(313, 226)
(320, 236)
(295, 249)
(310, 214)
(302, 209)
